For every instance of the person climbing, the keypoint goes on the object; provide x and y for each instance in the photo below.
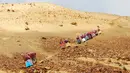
(82, 38)
(62, 44)
(98, 29)
(32, 56)
(66, 41)
(86, 37)
(89, 34)
(93, 33)
(28, 60)
(96, 32)
(78, 40)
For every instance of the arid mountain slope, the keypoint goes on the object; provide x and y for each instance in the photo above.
(108, 52)
(45, 17)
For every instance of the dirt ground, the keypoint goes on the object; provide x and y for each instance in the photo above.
(97, 55)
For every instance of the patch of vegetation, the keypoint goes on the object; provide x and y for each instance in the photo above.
(8, 10)
(27, 28)
(44, 38)
(13, 11)
(30, 3)
(54, 15)
(74, 23)
(61, 25)
(40, 21)
(79, 16)
(86, 17)
(18, 40)
(26, 23)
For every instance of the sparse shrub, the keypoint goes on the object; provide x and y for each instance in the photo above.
(49, 13)
(8, 10)
(26, 23)
(27, 28)
(40, 21)
(79, 16)
(124, 68)
(30, 3)
(109, 60)
(13, 11)
(18, 40)
(86, 17)
(19, 44)
(61, 25)
(44, 38)
(54, 15)
(74, 23)
(12, 4)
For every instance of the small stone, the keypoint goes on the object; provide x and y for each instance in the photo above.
(18, 40)
(124, 68)
(15, 57)
(109, 60)
(19, 44)
(118, 63)
(125, 63)
(22, 71)
(35, 71)
(61, 25)
(41, 61)
(48, 68)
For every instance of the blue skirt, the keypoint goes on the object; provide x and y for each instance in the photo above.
(28, 63)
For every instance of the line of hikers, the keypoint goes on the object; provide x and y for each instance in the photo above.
(30, 57)
(89, 35)
(81, 38)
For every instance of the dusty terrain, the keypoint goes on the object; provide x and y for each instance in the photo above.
(38, 27)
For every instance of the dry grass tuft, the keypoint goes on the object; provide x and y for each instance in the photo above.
(74, 23)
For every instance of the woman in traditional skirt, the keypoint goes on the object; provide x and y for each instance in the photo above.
(27, 59)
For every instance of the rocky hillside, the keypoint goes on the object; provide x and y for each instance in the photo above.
(37, 16)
